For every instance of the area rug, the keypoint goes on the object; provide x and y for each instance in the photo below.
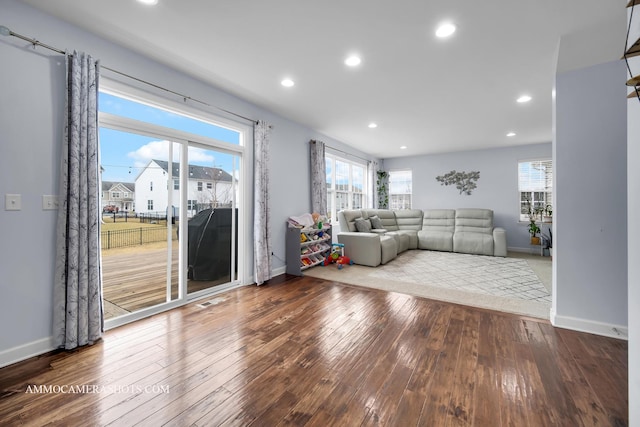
(505, 284)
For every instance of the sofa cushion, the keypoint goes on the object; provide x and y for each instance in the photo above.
(473, 231)
(403, 240)
(412, 235)
(439, 220)
(473, 243)
(347, 219)
(474, 221)
(409, 219)
(376, 222)
(437, 230)
(435, 240)
(363, 225)
(387, 217)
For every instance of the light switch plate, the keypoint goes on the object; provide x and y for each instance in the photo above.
(12, 202)
(49, 202)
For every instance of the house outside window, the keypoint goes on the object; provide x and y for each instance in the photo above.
(346, 185)
(535, 186)
(400, 189)
(149, 205)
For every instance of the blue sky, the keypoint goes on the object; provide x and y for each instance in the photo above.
(124, 154)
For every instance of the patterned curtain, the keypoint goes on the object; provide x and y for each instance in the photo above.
(372, 169)
(318, 178)
(77, 295)
(262, 213)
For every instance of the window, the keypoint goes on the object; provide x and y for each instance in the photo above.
(400, 186)
(192, 205)
(115, 195)
(209, 185)
(535, 185)
(149, 205)
(151, 186)
(176, 184)
(199, 186)
(346, 185)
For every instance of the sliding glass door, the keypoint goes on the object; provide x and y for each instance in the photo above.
(171, 204)
(212, 211)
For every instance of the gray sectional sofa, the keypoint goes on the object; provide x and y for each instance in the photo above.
(376, 236)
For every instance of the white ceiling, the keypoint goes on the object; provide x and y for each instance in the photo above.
(429, 94)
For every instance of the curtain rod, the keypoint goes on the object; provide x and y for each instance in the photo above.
(347, 153)
(7, 32)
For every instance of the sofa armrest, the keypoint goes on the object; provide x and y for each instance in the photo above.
(499, 242)
(362, 248)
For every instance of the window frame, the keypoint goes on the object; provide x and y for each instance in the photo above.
(392, 205)
(332, 191)
(547, 190)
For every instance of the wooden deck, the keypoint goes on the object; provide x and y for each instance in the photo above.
(136, 278)
(311, 352)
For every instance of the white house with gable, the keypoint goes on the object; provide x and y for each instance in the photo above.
(207, 187)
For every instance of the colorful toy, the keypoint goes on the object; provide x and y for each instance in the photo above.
(337, 256)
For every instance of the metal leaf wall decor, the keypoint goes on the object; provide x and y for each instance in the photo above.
(464, 181)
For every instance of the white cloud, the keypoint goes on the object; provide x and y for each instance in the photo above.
(159, 150)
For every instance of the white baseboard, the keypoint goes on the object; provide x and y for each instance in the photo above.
(590, 326)
(26, 351)
(278, 271)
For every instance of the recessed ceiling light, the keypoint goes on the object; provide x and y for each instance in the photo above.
(148, 2)
(373, 125)
(353, 61)
(445, 30)
(287, 83)
(404, 147)
(524, 98)
(511, 134)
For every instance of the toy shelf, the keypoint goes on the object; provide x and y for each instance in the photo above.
(306, 247)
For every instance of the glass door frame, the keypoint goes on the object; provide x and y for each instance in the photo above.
(120, 123)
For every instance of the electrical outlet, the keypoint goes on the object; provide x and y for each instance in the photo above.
(12, 202)
(49, 203)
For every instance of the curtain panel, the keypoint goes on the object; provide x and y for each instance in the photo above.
(372, 171)
(318, 177)
(262, 246)
(77, 313)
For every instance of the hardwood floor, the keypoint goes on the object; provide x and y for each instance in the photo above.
(304, 351)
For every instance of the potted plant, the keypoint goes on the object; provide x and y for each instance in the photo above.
(533, 231)
(533, 228)
(383, 190)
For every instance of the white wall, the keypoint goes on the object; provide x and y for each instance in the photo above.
(590, 214)
(633, 207)
(32, 88)
(497, 186)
